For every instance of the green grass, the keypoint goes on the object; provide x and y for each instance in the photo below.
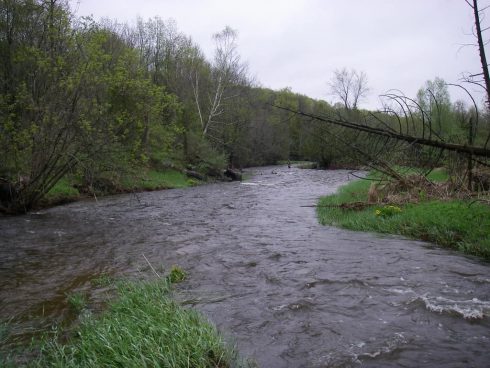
(177, 274)
(153, 179)
(103, 280)
(455, 224)
(144, 180)
(436, 175)
(142, 327)
(77, 301)
(62, 189)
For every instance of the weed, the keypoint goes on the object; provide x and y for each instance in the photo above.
(153, 179)
(192, 182)
(62, 189)
(387, 211)
(77, 301)
(177, 274)
(102, 280)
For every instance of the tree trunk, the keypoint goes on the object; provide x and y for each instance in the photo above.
(481, 47)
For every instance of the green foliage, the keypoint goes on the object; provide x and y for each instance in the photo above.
(387, 211)
(153, 179)
(143, 327)
(438, 175)
(454, 224)
(435, 103)
(63, 189)
(77, 301)
(104, 102)
(73, 97)
(177, 274)
(205, 158)
(102, 280)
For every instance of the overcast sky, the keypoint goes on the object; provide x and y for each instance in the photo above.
(399, 44)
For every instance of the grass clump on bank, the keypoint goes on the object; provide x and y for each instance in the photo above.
(70, 188)
(455, 224)
(153, 179)
(63, 191)
(143, 327)
(77, 301)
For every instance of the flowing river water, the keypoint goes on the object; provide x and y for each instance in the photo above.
(288, 291)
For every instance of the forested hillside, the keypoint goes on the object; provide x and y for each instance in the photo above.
(98, 102)
(102, 100)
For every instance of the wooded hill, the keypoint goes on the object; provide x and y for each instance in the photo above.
(101, 99)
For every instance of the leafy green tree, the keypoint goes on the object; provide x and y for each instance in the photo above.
(71, 96)
(38, 101)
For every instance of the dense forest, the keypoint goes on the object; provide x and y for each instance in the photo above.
(97, 101)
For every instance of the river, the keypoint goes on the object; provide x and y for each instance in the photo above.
(288, 291)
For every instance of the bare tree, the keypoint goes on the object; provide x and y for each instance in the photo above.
(227, 71)
(349, 86)
(480, 79)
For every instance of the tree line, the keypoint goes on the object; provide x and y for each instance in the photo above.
(99, 99)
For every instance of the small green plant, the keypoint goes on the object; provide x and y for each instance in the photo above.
(63, 188)
(77, 301)
(387, 211)
(102, 280)
(177, 274)
(192, 182)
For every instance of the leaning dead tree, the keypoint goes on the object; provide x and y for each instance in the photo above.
(376, 126)
(405, 130)
(424, 130)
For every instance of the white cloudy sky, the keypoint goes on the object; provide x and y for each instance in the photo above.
(398, 43)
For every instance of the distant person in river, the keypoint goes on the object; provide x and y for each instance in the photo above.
(289, 164)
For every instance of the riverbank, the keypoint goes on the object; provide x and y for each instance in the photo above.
(457, 224)
(69, 189)
(141, 326)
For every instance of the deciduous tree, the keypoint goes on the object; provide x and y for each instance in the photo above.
(349, 86)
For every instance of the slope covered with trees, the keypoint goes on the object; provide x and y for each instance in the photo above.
(98, 102)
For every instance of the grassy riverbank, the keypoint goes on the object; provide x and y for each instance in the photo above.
(456, 224)
(141, 327)
(70, 189)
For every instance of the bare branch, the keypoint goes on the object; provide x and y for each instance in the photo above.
(478, 151)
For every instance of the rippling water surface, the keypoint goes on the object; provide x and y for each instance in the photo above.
(290, 292)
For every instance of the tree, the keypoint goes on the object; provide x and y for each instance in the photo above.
(73, 98)
(39, 100)
(435, 102)
(227, 72)
(349, 86)
(435, 91)
(480, 79)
